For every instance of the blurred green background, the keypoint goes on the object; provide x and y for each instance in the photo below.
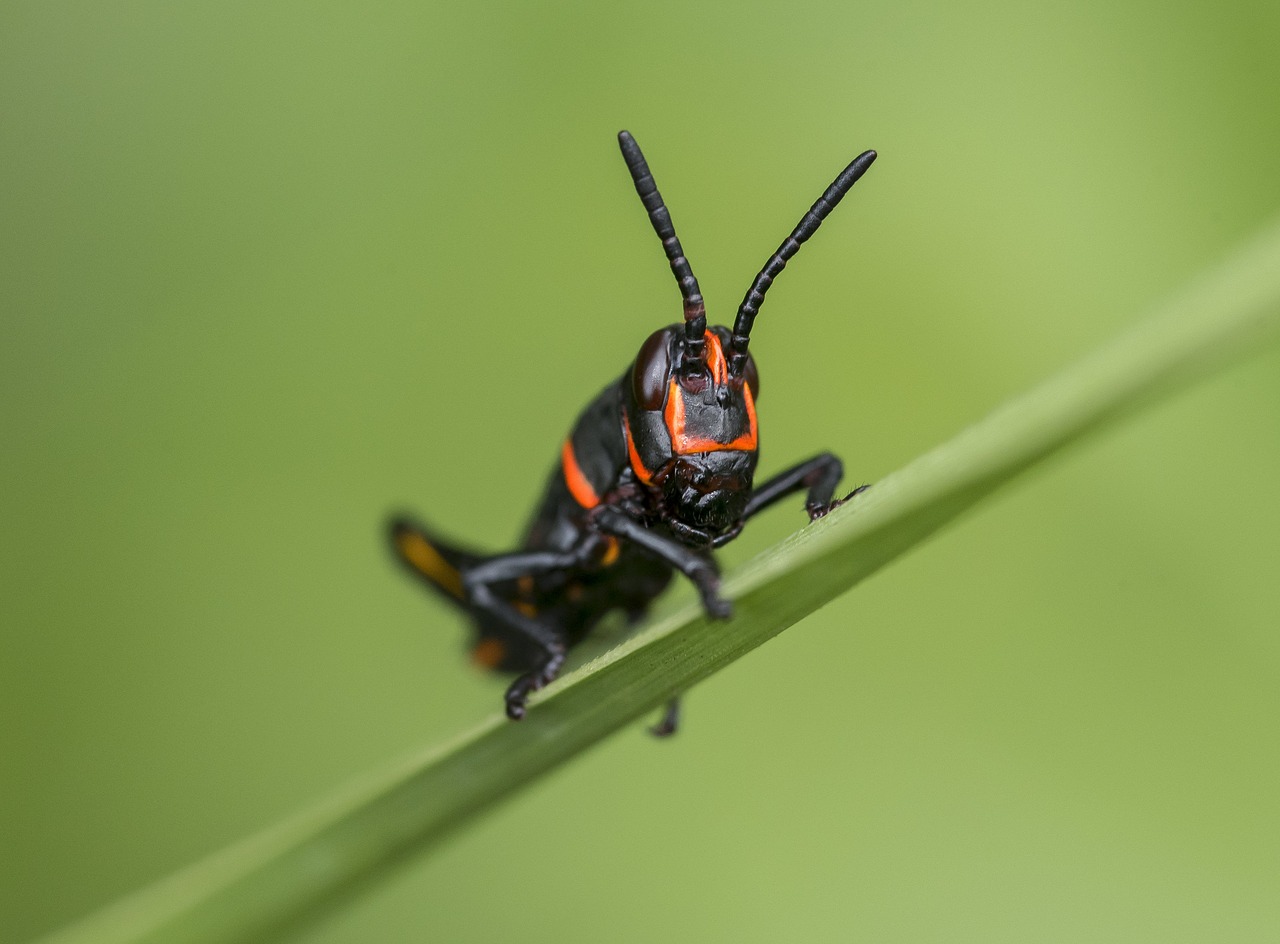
(268, 271)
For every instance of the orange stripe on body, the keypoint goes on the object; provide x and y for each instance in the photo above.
(611, 552)
(489, 652)
(579, 486)
(637, 464)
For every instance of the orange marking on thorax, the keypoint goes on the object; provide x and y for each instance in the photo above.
(579, 486)
(637, 464)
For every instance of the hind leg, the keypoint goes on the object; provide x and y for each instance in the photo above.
(670, 720)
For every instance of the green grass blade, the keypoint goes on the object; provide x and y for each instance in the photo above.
(295, 869)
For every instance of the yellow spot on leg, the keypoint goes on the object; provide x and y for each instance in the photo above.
(425, 559)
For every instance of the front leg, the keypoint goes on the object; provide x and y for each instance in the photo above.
(699, 568)
(820, 475)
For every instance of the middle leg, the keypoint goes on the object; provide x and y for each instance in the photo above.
(549, 641)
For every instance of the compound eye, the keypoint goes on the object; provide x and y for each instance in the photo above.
(752, 377)
(652, 371)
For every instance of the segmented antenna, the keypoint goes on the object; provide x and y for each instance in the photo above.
(695, 312)
(807, 226)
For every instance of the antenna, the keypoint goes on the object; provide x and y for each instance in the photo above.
(807, 226)
(695, 312)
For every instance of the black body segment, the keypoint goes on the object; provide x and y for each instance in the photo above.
(656, 472)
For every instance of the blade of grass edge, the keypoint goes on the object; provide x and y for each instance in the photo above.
(291, 871)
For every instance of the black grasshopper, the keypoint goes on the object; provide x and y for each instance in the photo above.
(656, 472)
